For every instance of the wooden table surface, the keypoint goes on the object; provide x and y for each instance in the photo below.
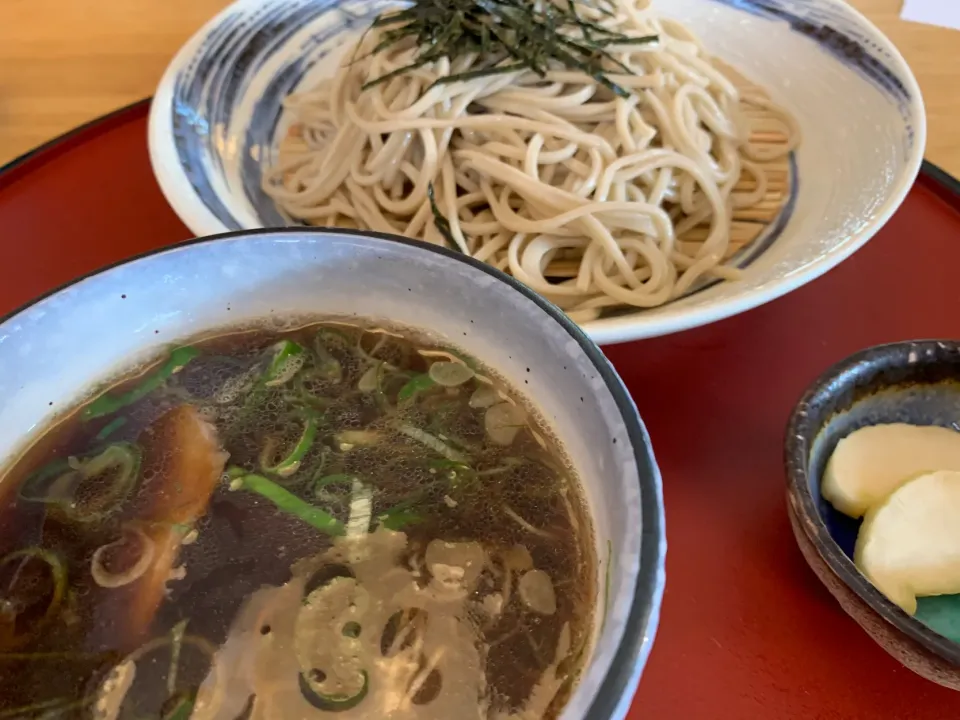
(64, 62)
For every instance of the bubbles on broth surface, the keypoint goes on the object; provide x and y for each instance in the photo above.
(324, 521)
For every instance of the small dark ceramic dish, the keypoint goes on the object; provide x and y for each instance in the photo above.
(912, 382)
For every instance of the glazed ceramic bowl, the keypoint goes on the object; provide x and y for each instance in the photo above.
(130, 312)
(911, 382)
(216, 119)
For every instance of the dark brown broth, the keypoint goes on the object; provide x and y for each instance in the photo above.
(244, 542)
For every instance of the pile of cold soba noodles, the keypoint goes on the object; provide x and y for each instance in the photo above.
(575, 191)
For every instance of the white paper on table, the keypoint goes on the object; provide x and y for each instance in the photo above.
(945, 13)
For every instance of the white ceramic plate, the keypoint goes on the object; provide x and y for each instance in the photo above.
(216, 118)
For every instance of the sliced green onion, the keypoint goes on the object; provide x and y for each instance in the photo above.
(326, 340)
(111, 402)
(45, 485)
(333, 488)
(330, 339)
(111, 427)
(182, 709)
(484, 396)
(287, 501)
(451, 355)
(400, 516)
(454, 471)
(334, 479)
(333, 703)
(324, 459)
(507, 464)
(61, 483)
(176, 645)
(432, 442)
(124, 459)
(233, 387)
(291, 463)
(416, 385)
(48, 709)
(106, 579)
(370, 380)
(450, 374)
(503, 421)
(329, 368)
(117, 682)
(288, 358)
(302, 395)
(58, 573)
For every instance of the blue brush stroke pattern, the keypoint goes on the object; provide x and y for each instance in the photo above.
(836, 32)
(206, 91)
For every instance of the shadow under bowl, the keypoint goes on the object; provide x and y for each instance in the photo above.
(909, 382)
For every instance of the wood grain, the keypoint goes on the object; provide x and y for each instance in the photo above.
(64, 62)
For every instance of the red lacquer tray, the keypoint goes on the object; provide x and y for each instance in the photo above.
(747, 631)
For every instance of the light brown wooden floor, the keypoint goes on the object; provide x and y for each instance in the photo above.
(63, 62)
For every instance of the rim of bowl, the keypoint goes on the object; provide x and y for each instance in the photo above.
(801, 432)
(640, 627)
(175, 187)
(177, 190)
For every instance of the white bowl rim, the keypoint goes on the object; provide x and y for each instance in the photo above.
(639, 630)
(634, 326)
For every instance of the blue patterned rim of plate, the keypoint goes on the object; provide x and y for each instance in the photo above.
(247, 38)
(205, 92)
(832, 27)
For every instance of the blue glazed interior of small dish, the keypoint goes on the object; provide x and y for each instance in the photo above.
(918, 394)
(915, 403)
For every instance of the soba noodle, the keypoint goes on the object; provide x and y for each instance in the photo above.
(533, 173)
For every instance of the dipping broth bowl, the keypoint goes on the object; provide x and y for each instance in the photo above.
(55, 350)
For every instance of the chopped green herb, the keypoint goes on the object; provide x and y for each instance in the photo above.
(111, 427)
(397, 520)
(111, 402)
(450, 374)
(433, 442)
(182, 709)
(287, 501)
(333, 703)
(291, 463)
(288, 358)
(328, 367)
(464, 358)
(401, 515)
(332, 340)
(334, 479)
(60, 483)
(15, 636)
(416, 385)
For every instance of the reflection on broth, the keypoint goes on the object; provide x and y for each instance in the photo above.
(329, 522)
